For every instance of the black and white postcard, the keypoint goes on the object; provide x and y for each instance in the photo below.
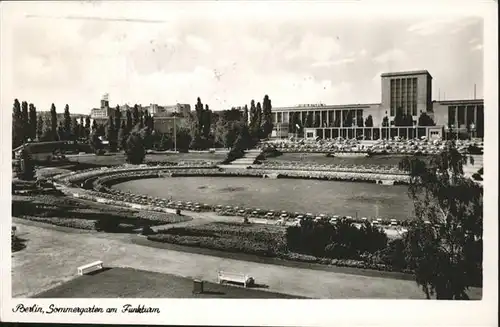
(249, 163)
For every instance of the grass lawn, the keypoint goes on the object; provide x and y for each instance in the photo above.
(132, 283)
(51, 257)
(68, 212)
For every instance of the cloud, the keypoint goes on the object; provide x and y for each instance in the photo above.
(198, 44)
(429, 27)
(436, 26)
(390, 56)
(333, 62)
(315, 47)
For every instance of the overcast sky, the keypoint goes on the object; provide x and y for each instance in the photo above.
(166, 53)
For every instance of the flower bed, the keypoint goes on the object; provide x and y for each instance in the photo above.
(64, 222)
(64, 211)
(251, 239)
(390, 146)
(258, 240)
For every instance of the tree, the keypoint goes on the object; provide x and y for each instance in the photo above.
(134, 149)
(53, 122)
(369, 121)
(32, 121)
(111, 134)
(87, 127)
(254, 120)
(39, 127)
(95, 127)
(61, 132)
(444, 245)
(359, 121)
(147, 131)
(226, 132)
(385, 121)
(142, 114)
(245, 115)
(75, 128)
(26, 170)
(67, 123)
(267, 123)
(122, 136)
(348, 119)
(135, 115)
(207, 122)
(258, 113)
(129, 121)
(17, 125)
(25, 121)
(399, 119)
(118, 118)
(81, 128)
(95, 142)
(199, 114)
(425, 120)
(309, 119)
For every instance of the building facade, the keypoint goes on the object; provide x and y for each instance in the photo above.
(407, 94)
(164, 117)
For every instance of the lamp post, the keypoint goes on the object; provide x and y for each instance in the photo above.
(472, 130)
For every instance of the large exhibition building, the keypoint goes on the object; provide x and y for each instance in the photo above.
(406, 97)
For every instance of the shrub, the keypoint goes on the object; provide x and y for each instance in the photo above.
(135, 150)
(147, 230)
(342, 241)
(106, 224)
(25, 168)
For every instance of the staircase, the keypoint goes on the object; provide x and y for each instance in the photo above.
(244, 162)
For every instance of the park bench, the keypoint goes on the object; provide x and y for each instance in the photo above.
(234, 278)
(91, 267)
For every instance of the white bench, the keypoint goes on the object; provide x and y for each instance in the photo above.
(234, 278)
(88, 268)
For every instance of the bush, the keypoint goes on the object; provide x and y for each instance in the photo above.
(135, 150)
(222, 244)
(106, 225)
(25, 168)
(341, 241)
(234, 154)
(147, 230)
(392, 256)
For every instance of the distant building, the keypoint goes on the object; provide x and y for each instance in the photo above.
(163, 116)
(407, 92)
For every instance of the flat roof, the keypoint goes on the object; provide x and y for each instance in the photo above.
(452, 102)
(326, 107)
(406, 73)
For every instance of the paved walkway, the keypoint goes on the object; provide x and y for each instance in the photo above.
(52, 256)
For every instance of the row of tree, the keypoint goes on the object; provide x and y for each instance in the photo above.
(200, 130)
(28, 125)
